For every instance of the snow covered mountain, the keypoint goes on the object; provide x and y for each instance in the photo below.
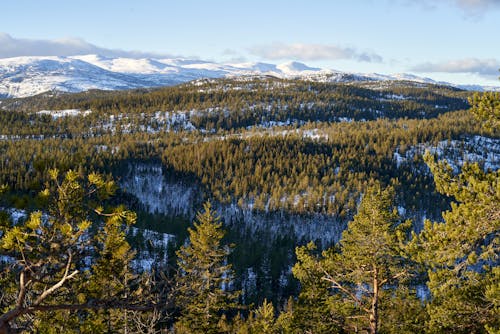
(26, 76)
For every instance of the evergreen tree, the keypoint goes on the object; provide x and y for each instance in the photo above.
(204, 294)
(462, 253)
(370, 259)
(50, 254)
(486, 108)
(111, 279)
(315, 310)
(263, 320)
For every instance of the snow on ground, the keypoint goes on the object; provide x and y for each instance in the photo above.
(391, 97)
(15, 215)
(64, 113)
(473, 149)
(249, 282)
(154, 248)
(27, 76)
(314, 134)
(148, 184)
(159, 195)
(325, 229)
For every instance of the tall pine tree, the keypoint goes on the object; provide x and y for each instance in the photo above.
(204, 293)
(370, 259)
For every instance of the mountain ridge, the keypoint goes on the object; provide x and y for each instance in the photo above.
(28, 76)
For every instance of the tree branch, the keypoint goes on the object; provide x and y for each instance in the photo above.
(56, 286)
(102, 214)
(92, 305)
(337, 285)
(384, 281)
(22, 289)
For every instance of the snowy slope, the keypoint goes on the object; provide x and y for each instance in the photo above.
(26, 76)
(471, 149)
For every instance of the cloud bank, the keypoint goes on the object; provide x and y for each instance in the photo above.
(487, 68)
(311, 52)
(16, 47)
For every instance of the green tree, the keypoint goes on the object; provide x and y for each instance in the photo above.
(462, 254)
(110, 279)
(486, 108)
(263, 320)
(50, 251)
(204, 294)
(314, 310)
(370, 259)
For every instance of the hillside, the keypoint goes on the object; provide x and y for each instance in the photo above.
(28, 76)
(229, 104)
(284, 161)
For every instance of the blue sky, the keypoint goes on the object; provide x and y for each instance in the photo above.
(451, 40)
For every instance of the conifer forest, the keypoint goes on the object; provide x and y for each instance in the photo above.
(252, 204)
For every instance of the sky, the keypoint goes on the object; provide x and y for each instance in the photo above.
(456, 41)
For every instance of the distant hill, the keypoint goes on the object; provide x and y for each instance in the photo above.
(27, 76)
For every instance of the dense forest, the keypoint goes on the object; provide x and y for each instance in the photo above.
(283, 206)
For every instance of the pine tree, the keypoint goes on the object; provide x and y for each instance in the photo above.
(371, 258)
(204, 294)
(462, 254)
(50, 254)
(314, 311)
(111, 278)
(486, 108)
(263, 320)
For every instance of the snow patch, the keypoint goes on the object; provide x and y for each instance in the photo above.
(64, 113)
(480, 149)
(158, 195)
(159, 242)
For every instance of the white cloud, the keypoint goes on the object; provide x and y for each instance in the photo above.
(311, 52)
(484, 67)
(474, 8)
(15, 47)
(477, 4)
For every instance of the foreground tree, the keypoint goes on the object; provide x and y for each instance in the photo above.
(462, 254)
(204, 292)
(486, 108)
(314, 311)
(371, 258)
(58, 257)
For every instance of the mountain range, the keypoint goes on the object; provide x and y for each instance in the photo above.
(27, 76)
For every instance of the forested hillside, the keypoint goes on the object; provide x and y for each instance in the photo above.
(324, 192)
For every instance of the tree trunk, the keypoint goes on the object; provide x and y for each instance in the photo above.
(374, 310)
(6, 318)
(5, 328)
